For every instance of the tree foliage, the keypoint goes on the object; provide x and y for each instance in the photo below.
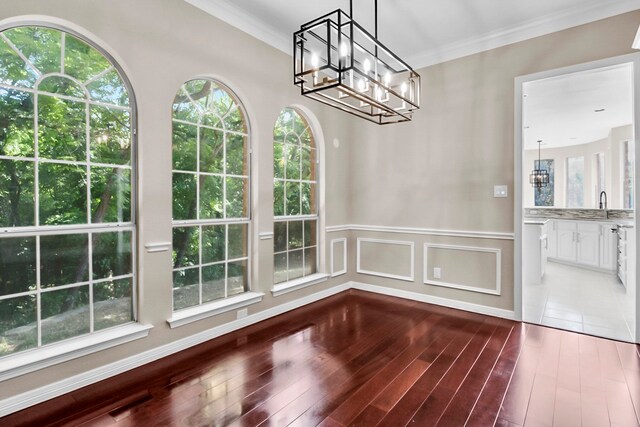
(294, 190)
(65, 138)
(210, 183)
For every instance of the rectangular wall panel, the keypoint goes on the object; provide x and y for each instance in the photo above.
(386, 258)
(463, 267)
(338, 257)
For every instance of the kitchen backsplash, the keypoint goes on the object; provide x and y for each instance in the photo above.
(578, 213)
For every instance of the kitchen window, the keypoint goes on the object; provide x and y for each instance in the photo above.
(575, 182)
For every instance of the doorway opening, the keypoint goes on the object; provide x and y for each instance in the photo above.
(576, 228)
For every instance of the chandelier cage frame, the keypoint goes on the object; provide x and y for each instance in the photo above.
(539, 177)
(339, 63)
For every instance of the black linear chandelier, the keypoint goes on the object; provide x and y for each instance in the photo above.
(539, 177)
(339, 63)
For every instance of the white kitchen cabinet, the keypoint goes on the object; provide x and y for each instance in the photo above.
(567, 250)
(552, 238)
(608, 245)
(584, 243)
(534, 251)
(588, 244)
(626, 263)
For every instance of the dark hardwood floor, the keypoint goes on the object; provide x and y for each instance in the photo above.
(364, 360)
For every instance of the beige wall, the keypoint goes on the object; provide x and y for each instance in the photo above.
(436, 172)
(610, 146)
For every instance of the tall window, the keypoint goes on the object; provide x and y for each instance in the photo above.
(294, 198)
(629, 165)
(66, 213)
(600, 178)
(575, 182)
(210, 195)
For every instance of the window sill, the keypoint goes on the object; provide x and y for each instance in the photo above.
(32, 360)
(190, 315)
(294, 285)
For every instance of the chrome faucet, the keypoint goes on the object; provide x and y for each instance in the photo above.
(603, 206)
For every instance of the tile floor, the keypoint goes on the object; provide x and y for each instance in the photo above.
(581, 300)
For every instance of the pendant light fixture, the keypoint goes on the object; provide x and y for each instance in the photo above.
(337, 62)
(539, 177)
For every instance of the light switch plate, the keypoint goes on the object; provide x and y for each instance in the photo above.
(500, 191)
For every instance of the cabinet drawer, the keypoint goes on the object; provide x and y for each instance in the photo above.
(589, 227)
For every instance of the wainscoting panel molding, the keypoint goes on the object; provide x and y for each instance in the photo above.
(464, 286)
(409, 277)
(495, 235)
(343, 270)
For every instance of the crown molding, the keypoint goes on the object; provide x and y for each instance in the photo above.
(594, 11)
(232, 15)
(569, 18)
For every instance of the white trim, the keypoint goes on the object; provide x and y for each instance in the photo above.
(409, 278)
(336, 228)
(266, 235)
(342, 240)
(302, 282)
(32, 360)
(33, 397)
(567, 18)
(424, 231)
(202, 311)
(430, 299)
(636, 41)
(497, 252)
(158, 247)
(232, 15)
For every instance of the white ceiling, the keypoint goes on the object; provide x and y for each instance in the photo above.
(422, 32)
(561, 111)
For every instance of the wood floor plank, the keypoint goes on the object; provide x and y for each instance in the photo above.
(433, 407)
(485, 411)
(362, 359)
(459, 408)
(404, 365)
(404, 410)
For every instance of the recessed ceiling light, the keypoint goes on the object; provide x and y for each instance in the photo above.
(573, 137)
(599, 110)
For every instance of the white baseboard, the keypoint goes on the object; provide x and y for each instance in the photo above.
(41, 394)
(445, 302)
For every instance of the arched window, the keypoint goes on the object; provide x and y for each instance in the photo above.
(210, 195)
(294, 198)
(67, 228)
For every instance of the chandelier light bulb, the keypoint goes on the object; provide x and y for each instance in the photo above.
(367, 65)
(314, 60)
(344, 49)
(403, 88)
(361, 85)
(387, 79)
(378, 93)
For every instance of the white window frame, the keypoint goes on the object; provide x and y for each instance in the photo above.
(204, 309)
(318, 145)
(67, 349)
(568, 179)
